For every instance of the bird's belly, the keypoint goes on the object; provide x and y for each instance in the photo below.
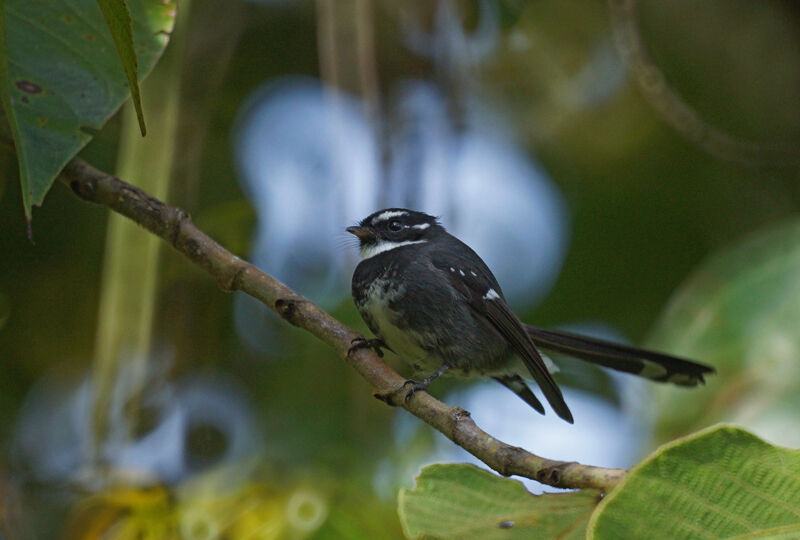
(452, 335)
(389, 325)
(409, 348)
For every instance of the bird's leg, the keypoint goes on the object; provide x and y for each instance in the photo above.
(424, 383)
(375, 344)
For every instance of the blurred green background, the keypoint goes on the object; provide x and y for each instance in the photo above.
(650, 194)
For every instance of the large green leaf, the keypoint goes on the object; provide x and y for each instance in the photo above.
(739, 312)
(61, 78)
(464, 502)
(723, 482)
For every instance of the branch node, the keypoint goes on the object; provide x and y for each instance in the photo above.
(457, 415)
(175, 218)
(232, 282)
(287, 309)
(394, 397)
(82, 189)
(459, 426)
(552, 474)
(386, 397)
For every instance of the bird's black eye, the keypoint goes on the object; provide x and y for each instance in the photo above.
(395, 226)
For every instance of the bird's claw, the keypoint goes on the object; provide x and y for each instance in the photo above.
(363, 343)
(415, 386)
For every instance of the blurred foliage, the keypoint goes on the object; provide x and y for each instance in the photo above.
(464, 502)
(251, 511)
(720, 483)
(739, 312)
(736, 62)
(647, 205)
(131, 268)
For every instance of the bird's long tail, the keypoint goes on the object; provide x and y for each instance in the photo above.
(652, 365)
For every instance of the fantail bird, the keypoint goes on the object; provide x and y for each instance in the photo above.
(429, 298)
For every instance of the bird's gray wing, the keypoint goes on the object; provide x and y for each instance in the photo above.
(471, 279)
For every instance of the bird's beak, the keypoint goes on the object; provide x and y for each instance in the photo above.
(363, 233)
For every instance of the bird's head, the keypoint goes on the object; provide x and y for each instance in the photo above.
(393, 227)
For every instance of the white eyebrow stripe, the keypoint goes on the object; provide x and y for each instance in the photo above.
(389, 214)
(421, 226)
(370, 251)
(491, 294)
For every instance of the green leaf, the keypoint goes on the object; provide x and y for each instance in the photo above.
(118, 19)
(739, 312)
(464, 502)
(790, 532)
(720, 483)
(60, 78)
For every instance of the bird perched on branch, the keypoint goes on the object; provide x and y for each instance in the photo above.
(429, 298)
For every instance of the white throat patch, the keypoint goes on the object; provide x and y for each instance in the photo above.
(384, 245)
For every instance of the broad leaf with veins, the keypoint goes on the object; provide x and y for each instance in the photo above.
(61, 78)
(720, 483)
(464, 502)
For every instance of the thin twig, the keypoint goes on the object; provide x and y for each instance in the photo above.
(232, 273)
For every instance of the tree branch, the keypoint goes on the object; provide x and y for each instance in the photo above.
(232, 273)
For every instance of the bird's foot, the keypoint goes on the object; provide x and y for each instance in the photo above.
(412, 386)
(376, 345)
(405, 391)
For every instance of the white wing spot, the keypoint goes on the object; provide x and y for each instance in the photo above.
(452, 269)
(491, 294)
(473, 273)
(389, 214)
(461, 272)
